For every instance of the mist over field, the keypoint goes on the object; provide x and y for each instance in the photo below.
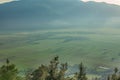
(34, 31)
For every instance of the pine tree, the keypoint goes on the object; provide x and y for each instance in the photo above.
(53, 68)
(40, 74)
(114, 76)
(116, 70)
(8, 71)
(82, 73)
(108, 78)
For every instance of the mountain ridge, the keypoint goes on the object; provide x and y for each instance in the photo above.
(43, 13)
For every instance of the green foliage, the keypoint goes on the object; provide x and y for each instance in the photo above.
(82, 73)
(115, 75)
(53, 71)
(8, 71)
(50, 72)
(116, 70)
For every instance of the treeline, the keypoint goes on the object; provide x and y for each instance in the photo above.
(54, 71)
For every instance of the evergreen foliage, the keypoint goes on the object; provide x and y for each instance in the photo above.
(8, 71)
(53, 71)
(82, 74)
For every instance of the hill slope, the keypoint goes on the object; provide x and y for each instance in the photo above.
(37, 14)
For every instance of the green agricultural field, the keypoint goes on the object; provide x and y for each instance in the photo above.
(96, 48)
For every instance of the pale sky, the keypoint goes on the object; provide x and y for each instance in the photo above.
(116, 2)
(6, 1)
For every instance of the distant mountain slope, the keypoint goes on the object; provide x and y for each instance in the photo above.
(34, 14)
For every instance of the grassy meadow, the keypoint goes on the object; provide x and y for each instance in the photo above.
(94, 47)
